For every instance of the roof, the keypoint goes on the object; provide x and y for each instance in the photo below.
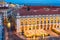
(4, 7)
(38, 10)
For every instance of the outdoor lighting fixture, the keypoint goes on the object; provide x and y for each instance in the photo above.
(8, 24)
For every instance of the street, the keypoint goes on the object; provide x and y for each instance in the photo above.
(12, 36)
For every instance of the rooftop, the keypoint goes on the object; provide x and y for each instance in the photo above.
(38, 10)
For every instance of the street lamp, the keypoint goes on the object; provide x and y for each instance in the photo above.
(9, 25)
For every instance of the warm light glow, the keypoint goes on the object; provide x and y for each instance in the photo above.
(31, 26)
(51, 18)
(46, 19)
(56, 19)
(43, 20)
(9, 25)
(12, 5)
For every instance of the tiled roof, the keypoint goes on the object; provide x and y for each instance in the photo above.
(34, 10)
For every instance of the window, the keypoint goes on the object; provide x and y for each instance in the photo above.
(41, 22)
(33, 27)
(37, 27)
(58, 21)
(55, 26)
(48, 21)
(41, 26)
(37, 22)
(51, 21)
(21, 23)
(44, 22)
(55, 21)
(26, 23)
(48, 27)
(30, 28)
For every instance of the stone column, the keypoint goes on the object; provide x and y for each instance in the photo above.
(40, 24)
(59, 21)
(28, 27)
(43, 23)
(56, 21)
(59, 24)
(18, 22)
(5, 17)
(46, 22)
(53, 22)
(50, 23)
(5, 14)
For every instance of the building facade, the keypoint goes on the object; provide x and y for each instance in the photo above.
(30, 22)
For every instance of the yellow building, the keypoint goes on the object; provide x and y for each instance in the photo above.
(36, 21)
(32, 24)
